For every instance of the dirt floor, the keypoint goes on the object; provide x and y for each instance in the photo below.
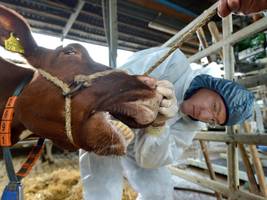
(61, 181)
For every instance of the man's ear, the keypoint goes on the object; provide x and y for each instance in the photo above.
(15, 34)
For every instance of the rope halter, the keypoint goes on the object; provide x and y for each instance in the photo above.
(81, 81)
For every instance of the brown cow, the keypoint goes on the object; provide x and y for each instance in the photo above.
(40, 107)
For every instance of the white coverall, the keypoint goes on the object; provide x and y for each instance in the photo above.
(147, 156)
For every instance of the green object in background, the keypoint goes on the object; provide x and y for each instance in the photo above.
(252, 48)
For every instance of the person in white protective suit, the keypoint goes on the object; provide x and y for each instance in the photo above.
(189, 96)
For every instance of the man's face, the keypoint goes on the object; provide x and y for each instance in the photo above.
(206, 106)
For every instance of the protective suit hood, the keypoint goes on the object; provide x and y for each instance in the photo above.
(238, 100)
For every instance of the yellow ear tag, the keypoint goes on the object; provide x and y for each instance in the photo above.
(13, 44)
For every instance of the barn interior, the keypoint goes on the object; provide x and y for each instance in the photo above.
(222, 162)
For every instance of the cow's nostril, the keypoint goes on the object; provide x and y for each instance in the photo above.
(150, 82)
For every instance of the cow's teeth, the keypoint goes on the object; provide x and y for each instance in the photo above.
(126, 132)
(122, 128)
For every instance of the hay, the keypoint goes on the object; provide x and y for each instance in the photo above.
(57, 181)
(61, 184)
(58, 185)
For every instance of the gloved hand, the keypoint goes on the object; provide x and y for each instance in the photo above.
(168, 107)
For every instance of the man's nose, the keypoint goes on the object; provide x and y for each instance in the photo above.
(150, 82)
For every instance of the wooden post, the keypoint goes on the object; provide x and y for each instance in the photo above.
(215, 34)
(228, 60)
(210, 169)
(257, 163)
(202, 40)
(253, 186)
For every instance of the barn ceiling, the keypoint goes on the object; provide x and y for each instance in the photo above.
(137, 20)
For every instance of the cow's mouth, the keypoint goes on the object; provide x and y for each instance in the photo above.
(117, 122)
(122, 131)
(133, 114)
(114, 122)
(136, 114)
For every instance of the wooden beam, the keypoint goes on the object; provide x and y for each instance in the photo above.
(214, 31)
(253, 81)
(258, 139)
(253, 186)
(203, 40)
(256, 162)
(219, 169)
(214, 185)
(187, 49)
(209, 165)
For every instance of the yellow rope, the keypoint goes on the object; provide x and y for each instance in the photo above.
(65, 88)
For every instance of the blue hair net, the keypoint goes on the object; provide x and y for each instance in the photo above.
(238, 101)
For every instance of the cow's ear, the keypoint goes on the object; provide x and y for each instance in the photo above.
(15, 34)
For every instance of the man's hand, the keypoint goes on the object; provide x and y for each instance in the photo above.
(168, 107)
(243, 6)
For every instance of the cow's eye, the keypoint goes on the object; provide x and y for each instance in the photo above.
(69, 51)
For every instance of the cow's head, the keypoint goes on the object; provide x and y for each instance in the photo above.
(116, 96)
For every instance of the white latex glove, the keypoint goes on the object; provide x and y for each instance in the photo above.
(168, 107)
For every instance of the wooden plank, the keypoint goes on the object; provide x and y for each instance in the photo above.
(228, 61)
(252, 180)
(257, 163)
(215, 35)
(216, 186)
(209, 166)
(219, 169)
(202, 40)
(253, 81)
(238, 138)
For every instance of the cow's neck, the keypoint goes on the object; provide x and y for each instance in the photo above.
(10, 77)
